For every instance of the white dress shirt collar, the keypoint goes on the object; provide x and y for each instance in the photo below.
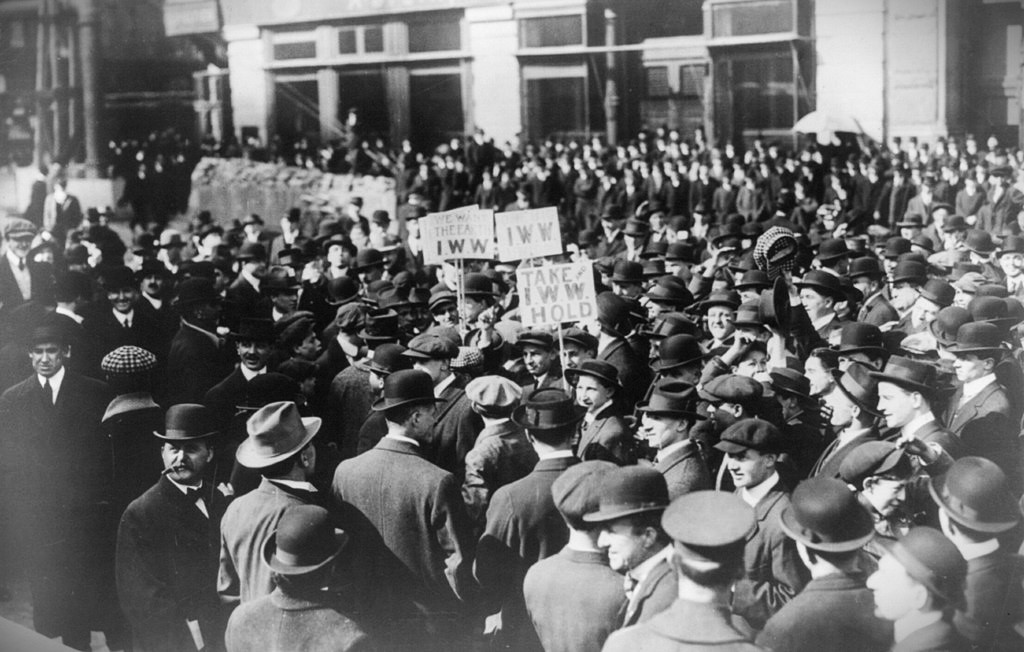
(971, 551)
(70, 315)
(56, 380)
(403, 438)
(974, 387)
(753, 495)
(443, 385)
(200, 503)
(249, 374)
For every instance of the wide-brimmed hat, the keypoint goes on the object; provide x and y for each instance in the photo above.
(275, 433)
(748, 315)
(406, 387)
(857, 385)
(253, 329)
(630, 490)
(825, 515)
(548, 409)
(929, 557)
(975, 493)
(909, 374)
(305, 541)
(822, 282)
(599, 369)
(673, 398)
(187, 421)
(790, 381)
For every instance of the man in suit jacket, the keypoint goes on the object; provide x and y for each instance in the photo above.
(854, 402)
(410, 536)
(300, 615)
(280, 446)
(906, 392)
(774, 573)
(197, 359)
(254, 343)
(56, 474)
(834, 611)
(916, 583)
(540, 360)
(976, 507)
(666, 422)
(603, 431)
(167, 543)
(708, 528)
(21, 280)
(523, 525)
(869, 277)
(243, 297)
(632, 500)
(634, 373)
(61, 211)
(574, 599)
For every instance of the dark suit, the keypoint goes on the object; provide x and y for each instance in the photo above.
(103, 333)
(243, 301)
(411, 537)
(634, 373)
(500, 456)
(832, 458)
(937, 637)
(135, 464)
(348, 405)
(609, 430)
(40, 285)
(985, 429)
(653, 595)
(522, 528)
(247, 524)
(574, 600)
(229, 393)
(684, 627)
(685, 470)
(877, 310)
(932, 432)
(196, 363)
(992, 593)
(835, 613)
(167, 567)
(774, 572)
(280, 622)
(456, 429)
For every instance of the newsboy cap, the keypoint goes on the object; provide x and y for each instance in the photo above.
(577, 491)
(432, 346)
(17, 227)
(630, 490)
(875, 458)
(732, 389)
(751, 434)
(494, 396)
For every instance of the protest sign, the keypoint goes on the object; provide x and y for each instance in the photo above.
(528, 234)
(466, 232)
(556, 293)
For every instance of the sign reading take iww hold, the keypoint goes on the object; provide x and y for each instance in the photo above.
(556, 293)
(528, 234)
(466, 232)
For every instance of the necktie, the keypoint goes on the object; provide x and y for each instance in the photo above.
(48, 391)
(629, 584)
(127, 324)
(21, 264)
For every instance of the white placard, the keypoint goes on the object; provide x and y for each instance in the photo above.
(466, 232)
(556, 293)
(528, 234)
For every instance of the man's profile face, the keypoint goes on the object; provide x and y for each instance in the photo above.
(624, 544)
(886, 495)
(186, 459)
(749, 468)
(47, 358)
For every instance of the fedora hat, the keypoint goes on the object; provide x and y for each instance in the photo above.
(748, 315)
(825, 515)
(909, 374)
(947, 323)
(775, 308)
(857, 385)
(387, 359)
(938, 292)
(275, 433)
(548, 409)
(929, 557)
(304, 542)
(979, 338)
(630, 490)
(187, 421)
(380, 326)
(406, 387)
(860, 337)
(790, 381)
(823, 283)
(753, 279)
(975, 493)
(599, 369)
(677, 351)
(727, 298)
(673, 398)
(252, 329)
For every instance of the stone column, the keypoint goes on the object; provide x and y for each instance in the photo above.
(88, 40)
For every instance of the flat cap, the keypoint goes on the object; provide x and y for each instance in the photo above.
(539, 339)
(577, 490)
(350, 317)
(630, 490)
(18, 227)
(732, 388)
(874, 458)
(468, 357)
(494, 394)
(708, 519)
(127, 360)
(432, 346)
(751, 434)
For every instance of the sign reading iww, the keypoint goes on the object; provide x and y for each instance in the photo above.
(466, 232)
(528, 234)
(556, 294)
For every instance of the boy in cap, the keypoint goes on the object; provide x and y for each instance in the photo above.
(834, 611)
(631, 503)
(774, 573)
(918, 583)
(604, 430)
(502, 454)
(574, 599)
(167, 542)
(708, 529)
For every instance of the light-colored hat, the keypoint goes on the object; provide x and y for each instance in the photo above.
(276, 432)
(494, 395)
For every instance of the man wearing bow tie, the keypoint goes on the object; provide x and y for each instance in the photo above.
(167, 544)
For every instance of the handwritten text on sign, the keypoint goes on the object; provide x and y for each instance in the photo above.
(528, 234)
(556, 294)
(462, 233)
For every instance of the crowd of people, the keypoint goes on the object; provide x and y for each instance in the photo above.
(794, 423)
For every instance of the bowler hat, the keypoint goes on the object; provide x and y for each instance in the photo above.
(679, 252)
(753, 279)
(251, 251)
(342, 290)
(978, 338)
(432, 345)
(627, 271)
(929, 557)
(380, 326)
(275, 433)
(494, 396)
(673, 398)
(991, 310)
(599, 369)
(367, 258)
(710, 525)
(548, 409)
(144, 244)
(670, 290)
(655, 249)
(825, 515)
(924, 242)
(751, 434)
(636, 228)
(910, 271)
(278, 280)
(187, 421)
(833, 249)
(406, 387)
(822, 282)
(252, 329)
(938, 292)
(196, 290)
(613, 313)
(954, 223)
(653, 268)
(1012, 244)
(861, 337)
(993, 290)
(875, 458)
(857, 385)
(577, 490)
(975, 493)
(304, 542)
(911, 220)
(152, 267)
(630, 490)
(477, 285)
(790, 381)
(670, 323)
(947, 323)
(980, 242)
(49, 334)
(895, 247)
(117, 277)
(911, 375)
(727, 298)
(127, 360)
(677, 351)
(866, 266)
(387, 359)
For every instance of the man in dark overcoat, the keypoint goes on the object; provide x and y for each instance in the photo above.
(198, 359)
(167, 543)
(665, 423)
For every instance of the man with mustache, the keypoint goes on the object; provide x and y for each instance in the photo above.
(254, 343)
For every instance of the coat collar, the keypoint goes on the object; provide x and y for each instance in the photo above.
(393, 445)
(556, 464)
(696, 623)
(135, 402)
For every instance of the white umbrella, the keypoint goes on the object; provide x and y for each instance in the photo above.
(826, 124)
